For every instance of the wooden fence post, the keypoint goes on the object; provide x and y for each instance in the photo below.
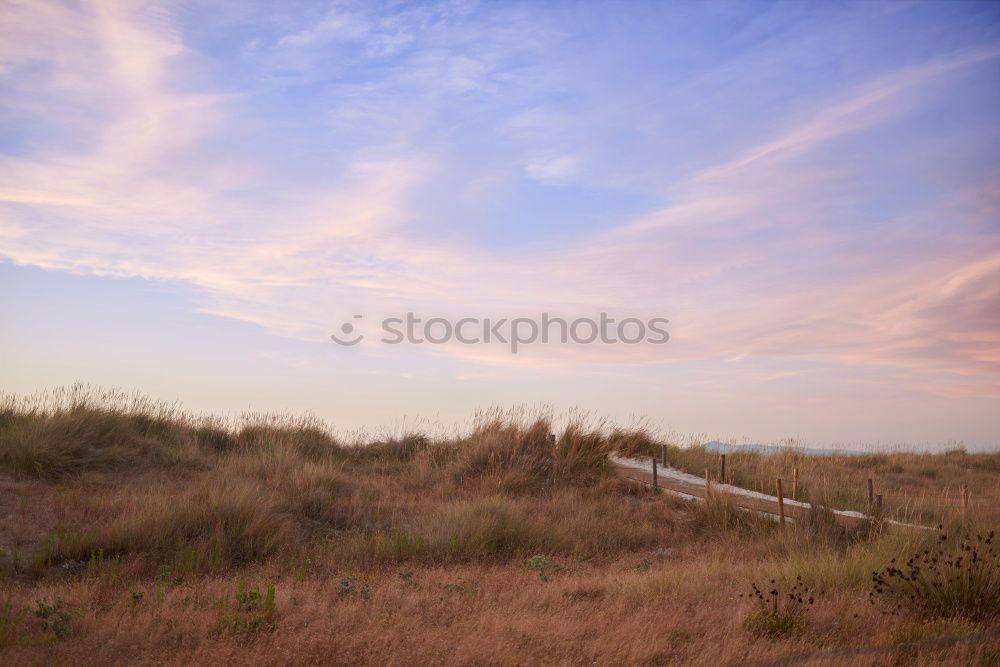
(781, 504)
(871, 493)
(722, 469)
(795, 483)
(655, 487)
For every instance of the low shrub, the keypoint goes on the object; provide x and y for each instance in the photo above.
(350, 587)
(954, 578)
(779, 615)
(250, 613)
(543, 565)
(55, 618)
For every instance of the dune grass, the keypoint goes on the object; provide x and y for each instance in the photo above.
(139, 529)
(916, 487)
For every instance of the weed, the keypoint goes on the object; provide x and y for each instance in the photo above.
(252, 611)
(406, 575)
(466, 588)
(304, 570)
(166, 576)
(102, 567)
(55, 618)
(543, 565)
(350, 587)
(779, 615)
(954, 578)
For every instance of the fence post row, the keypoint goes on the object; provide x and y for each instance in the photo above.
(875, 501)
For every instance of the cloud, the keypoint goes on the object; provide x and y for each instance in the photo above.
(339, 24)
(170, 185)
(553, 169)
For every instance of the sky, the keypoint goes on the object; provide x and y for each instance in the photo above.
(195, 195)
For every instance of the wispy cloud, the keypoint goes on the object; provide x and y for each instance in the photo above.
(173, 176)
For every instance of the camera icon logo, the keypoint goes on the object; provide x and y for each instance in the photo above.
(347, 329)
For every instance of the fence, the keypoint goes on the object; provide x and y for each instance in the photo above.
(918, 510)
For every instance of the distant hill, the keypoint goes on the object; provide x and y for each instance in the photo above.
(725, 448)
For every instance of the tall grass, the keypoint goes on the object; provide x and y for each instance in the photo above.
(82, 429)
(917, 488)
(145, 519)
(959, 577)
(215, 494)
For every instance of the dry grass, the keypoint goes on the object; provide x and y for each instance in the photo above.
(163, 534)
(918, 488)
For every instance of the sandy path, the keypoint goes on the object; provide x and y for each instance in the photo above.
(692, 487)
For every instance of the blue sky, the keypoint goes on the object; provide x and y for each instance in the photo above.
(195, 194)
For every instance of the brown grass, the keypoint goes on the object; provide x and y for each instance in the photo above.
(917, 488)
(161, 534)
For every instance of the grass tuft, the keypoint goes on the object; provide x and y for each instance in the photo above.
(953, 578)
